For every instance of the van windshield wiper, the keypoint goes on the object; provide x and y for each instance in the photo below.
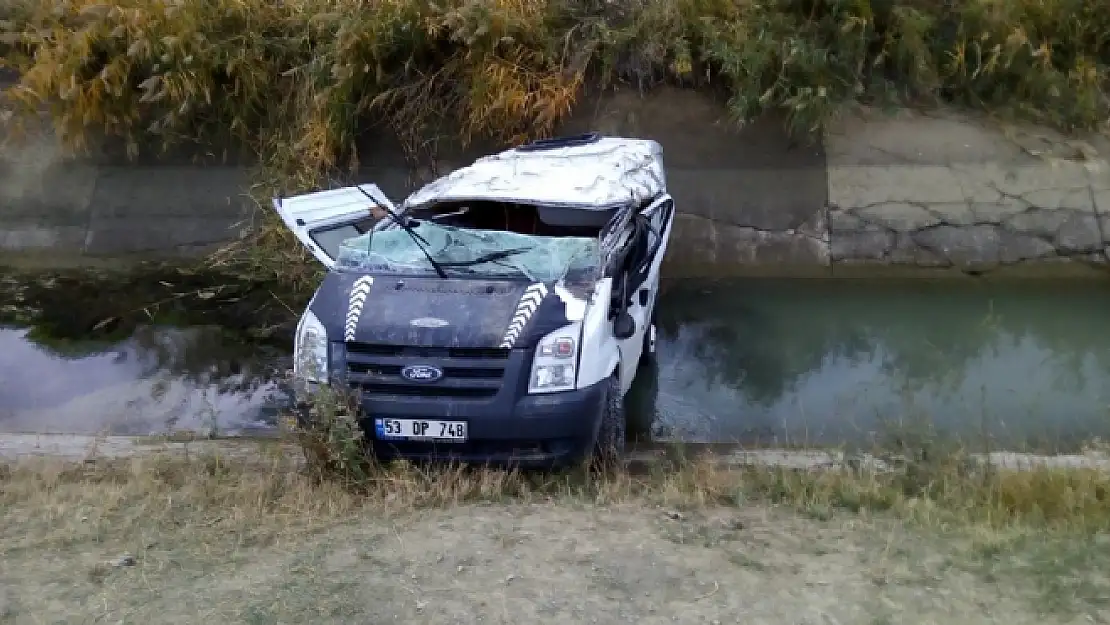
(420, 241)
(486, 258)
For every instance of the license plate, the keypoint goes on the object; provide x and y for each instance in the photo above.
(420, 430)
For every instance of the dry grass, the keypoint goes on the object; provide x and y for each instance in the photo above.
(927, 480)
(242, 488)
(264, 537)
(263, 541)
(296, 79)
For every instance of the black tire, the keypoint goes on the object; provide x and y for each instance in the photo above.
(647, 352)
(609, 448)
(639, 403)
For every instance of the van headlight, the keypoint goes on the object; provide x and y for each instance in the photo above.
(310, 350)
(553, 364)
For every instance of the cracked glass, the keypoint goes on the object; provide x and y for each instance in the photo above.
(460, 252)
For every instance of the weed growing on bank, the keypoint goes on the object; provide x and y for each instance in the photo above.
(298, 81)
(275, 482)
(933, 482)
(258, 502)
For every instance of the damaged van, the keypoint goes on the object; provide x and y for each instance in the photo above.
(500, 314)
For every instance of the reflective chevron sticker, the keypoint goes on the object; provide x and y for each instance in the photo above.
(359, 290)
(525, 308)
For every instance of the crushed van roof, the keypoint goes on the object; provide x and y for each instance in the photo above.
(606, 173)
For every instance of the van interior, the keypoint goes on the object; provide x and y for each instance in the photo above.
(525, 219)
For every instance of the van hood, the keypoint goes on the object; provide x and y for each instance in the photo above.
(432, 312)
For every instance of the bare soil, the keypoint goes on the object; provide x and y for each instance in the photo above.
(559, 562)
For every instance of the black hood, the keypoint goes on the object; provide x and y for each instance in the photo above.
(431, 312)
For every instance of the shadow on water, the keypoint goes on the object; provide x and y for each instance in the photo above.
(758, 362)
(816, 362)
(105, 306)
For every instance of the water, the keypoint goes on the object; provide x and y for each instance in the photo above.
(773, 362)
(157, 381)
(759, 362)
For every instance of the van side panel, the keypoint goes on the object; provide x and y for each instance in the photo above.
(600, 353)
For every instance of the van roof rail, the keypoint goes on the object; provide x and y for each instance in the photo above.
(561, 142)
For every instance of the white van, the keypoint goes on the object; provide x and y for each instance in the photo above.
(499, 315)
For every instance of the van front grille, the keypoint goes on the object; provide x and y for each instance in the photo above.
(468, 372)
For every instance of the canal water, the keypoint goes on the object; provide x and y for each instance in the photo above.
(1022, 364)
(159, 380)
(754, 361)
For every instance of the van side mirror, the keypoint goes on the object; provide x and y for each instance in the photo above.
(624, 326)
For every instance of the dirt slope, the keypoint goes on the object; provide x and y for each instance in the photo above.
(564, 563)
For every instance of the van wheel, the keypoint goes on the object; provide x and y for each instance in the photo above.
(610, 438)
(647, 353)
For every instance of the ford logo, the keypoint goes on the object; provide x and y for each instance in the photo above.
(421, 373)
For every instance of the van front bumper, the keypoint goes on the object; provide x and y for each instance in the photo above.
(548, 430)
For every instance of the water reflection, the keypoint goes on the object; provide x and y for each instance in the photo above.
(752, 361)
(825, 362)
(160, 379)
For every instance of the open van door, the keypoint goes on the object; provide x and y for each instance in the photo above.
(642, 272)
(322, 220)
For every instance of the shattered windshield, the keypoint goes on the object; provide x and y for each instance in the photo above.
(463, 252)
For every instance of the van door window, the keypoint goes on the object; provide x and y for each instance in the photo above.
(647, 236)
(322, 220)
(330, 238)
(639, 254)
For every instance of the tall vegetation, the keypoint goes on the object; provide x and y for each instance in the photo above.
(296, 78)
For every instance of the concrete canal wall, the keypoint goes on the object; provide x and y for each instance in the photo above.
(934, 190)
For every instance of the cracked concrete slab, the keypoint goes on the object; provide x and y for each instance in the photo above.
(156, 209)
(950, 191)
(44, 199)
(749, 196)
(67, 206)
(769, 200)
(1002, 217)
(706, 247)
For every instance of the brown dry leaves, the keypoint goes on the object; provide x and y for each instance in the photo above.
(292, 79)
